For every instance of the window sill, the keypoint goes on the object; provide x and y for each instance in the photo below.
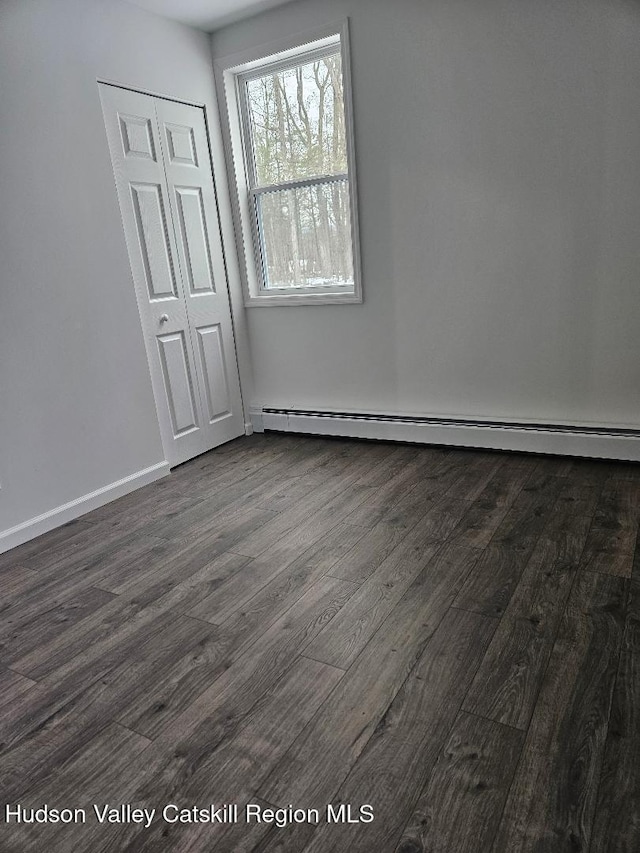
(284, 299)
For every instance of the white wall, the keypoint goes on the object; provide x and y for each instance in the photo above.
(76, 405)
(497, 146)
(499, 197)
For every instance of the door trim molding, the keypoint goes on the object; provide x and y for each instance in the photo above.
(141, 91)
(595, 441)
(60, 515)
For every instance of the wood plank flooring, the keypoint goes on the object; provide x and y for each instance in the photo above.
(450, 638)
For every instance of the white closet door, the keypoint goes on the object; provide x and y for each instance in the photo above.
(163, 177)
(185, 150)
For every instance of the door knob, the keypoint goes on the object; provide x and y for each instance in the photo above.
(164, 318)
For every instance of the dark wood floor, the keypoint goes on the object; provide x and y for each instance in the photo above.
(452, 637)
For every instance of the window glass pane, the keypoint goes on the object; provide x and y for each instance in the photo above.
(306, 236)
(297, 122)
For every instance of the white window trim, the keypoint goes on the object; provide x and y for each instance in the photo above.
(230, 72)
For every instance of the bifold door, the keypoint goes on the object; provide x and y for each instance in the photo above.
(160, 155)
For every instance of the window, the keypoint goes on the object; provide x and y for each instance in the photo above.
(290, 131)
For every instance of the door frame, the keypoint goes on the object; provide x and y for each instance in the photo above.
(227, 238)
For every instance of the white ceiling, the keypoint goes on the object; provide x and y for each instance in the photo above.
(207, 15)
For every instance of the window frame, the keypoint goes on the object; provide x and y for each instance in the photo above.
(232, 75)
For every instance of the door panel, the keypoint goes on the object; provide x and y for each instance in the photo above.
(151, 224)
(137, 137)
(178, 382)
(181, 144)
(161, 162)
(195, 240)
(211, 351)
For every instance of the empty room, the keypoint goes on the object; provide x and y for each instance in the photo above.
(319, 426)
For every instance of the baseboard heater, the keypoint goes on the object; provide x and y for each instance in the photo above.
(599, 442)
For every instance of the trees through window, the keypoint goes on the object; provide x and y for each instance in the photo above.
(295, 137)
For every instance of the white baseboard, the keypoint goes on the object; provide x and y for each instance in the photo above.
(67, 512)
(598, 442)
